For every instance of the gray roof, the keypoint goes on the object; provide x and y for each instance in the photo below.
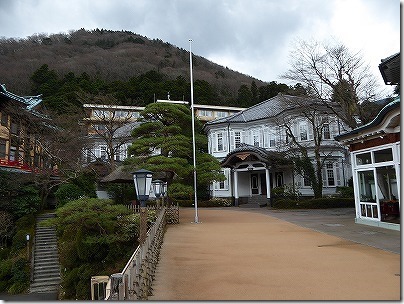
(390, 69)
(265, 109)
(29, 101)
(376, 121)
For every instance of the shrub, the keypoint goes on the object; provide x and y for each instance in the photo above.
(68, 192)
(213, 202)
(345, 191)
(315, 203)
(27, 202)
(20, 276)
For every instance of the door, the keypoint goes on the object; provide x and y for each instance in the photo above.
(254, 184)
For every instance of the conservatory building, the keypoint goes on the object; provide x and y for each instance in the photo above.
(256, 146)
(375, 154)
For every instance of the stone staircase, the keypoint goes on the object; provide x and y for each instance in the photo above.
(45, 271)
(255, 201)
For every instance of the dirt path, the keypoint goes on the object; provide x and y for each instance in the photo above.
(233, 255)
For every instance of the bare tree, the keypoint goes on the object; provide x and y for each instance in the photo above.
(333, 73)
(111, 126)
(310, 126)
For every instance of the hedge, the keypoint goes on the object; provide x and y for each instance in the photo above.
(213, 202)
(315, 203)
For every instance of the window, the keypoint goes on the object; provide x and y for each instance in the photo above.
(330, 174)
(221, 114)
(2, 148)
(14, 128)
(103, 152)
(256, 138)
(383, 155)
(4, 119)
(99, 128)
(205, 113)
(237, 139)
(102, 114)
(303, 131)
(326, 131)
(220, 146)
(279, 179)
(363, 159)
(271, 140)
(13, 156)
(223, 185)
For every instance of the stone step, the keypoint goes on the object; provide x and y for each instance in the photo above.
(51, 244)
(48, 247)
(48, 279)
(47, 267)
(46, 239)
(44, 287)
(45, 252)
(42, 231)
(46, 275)
(54, 263)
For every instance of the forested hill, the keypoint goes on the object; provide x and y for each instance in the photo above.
(133, 68)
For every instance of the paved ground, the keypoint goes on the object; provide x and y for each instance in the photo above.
(339, 222)
(266, 254)
(256, 254)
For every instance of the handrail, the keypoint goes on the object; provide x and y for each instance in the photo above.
(134, 282)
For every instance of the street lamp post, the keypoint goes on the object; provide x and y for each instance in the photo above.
(158, 190)
(142, 180)
(28, 250)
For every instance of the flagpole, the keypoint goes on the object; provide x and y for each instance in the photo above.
(193, 132)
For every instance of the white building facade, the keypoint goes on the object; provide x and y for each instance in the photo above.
(254, 146)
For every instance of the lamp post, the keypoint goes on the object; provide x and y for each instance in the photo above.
(28, 252)
(142, 180)
(158, 190)
(164, 192)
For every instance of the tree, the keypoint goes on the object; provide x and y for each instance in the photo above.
(307, 125)
(111, 127)
(333, 73)
(163, 143)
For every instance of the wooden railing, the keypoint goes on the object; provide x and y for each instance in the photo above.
(135, 280)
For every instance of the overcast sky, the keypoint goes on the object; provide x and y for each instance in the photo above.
(253, 37)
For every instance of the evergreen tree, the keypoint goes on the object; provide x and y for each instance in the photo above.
(163, 143)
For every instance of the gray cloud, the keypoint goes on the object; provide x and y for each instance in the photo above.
(253, 37)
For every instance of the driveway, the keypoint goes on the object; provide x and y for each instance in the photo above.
(246, 254)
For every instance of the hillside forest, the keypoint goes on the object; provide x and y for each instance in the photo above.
(80, 66)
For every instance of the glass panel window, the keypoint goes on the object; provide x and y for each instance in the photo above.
(383, 155)
(4, 119)
(13, 154)
(272, 140)
(2, 148)
(205, 113)
(14, 128)
(220, 141)
(103, 152)
(366, 185)
(303, 132)
(387, 188)
(330, 174)
(326, 131)
(363, 159)
(221, 114)
(237, 138)
(256, 138)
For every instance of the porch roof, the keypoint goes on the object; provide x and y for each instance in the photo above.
(247, 152)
